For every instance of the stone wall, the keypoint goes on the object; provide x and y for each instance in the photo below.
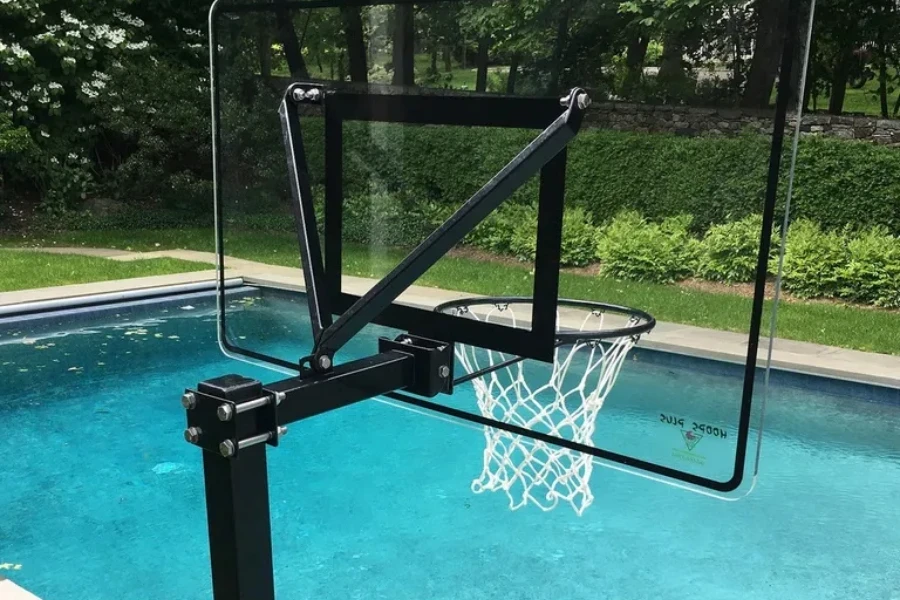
(693, 121)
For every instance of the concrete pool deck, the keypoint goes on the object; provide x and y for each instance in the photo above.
(802, 357)
(10, 591)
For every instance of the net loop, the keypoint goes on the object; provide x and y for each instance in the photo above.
(561, 399)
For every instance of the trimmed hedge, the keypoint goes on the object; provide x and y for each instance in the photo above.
(716, 179)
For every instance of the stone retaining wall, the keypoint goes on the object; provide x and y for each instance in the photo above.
(693, 121)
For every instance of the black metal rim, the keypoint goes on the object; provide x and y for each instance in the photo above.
(646, 323)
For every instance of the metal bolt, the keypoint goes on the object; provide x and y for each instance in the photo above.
(189, 401)
(298, 94)
(192, 435)
(324, 362)
(226, 448)
(282, 431)
(582, 99)
(444, 371)
(313, 94)
(279, 397)
(225, 412)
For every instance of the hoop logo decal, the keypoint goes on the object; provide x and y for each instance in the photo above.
(691, 439)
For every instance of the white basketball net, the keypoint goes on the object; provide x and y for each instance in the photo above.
(562, 401)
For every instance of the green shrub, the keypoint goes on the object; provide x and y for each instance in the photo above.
(384, 219)
(579, 239)
(814, 260)
(520, 223)
(506, 231)
(872, 272)
(731, 250)
(128, 218)
(513, 230)
(630, 247)
(838, 182)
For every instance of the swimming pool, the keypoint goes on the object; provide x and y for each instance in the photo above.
(100, 498)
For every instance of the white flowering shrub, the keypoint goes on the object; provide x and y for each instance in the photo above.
(56, 60)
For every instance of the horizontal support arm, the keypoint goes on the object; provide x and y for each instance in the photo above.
(346, 384)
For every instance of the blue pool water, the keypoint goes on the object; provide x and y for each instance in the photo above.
(101, 499)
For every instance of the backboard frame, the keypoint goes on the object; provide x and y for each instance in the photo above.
(471, 111)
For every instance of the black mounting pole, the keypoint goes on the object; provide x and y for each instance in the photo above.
(233, 419)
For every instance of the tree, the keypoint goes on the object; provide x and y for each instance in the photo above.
(356, 43)
(55, 55)
(290, 43)
(404, 45)
(770, 18)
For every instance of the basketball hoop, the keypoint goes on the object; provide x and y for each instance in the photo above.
(562, 399)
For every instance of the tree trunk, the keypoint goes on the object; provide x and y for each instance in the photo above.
(767, 53)
(634, 63)
(736, 25)
(434, 60)
(264, 51)
(513, 73)
(882, 75)
(356, 43)
(404, 43)
(559, 47)
(671, 65)
(481, 63)
(289, 42)
(447, 57)
(840, 77)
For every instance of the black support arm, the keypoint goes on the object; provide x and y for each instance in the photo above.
(302, 205)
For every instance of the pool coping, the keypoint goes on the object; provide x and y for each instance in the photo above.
(687, 340)
(805, 358)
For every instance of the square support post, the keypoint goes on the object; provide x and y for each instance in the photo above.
(236, 484)
(240, 535)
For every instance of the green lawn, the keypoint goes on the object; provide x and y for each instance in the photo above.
(865, 99)
(23, 270)
(830, 324)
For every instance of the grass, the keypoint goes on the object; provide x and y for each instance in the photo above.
(830, 324)
(27, 270)
(865, 100)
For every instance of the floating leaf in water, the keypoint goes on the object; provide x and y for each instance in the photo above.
(188, 307)
(28, 342)
(23, 370)
(41, 347)
(157, 335)
(70, 369)
(174, 337)
(101, 364)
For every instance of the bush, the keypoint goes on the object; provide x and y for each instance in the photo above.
(630, 247)
(872, 272)
(579, 239)
(814, 260)
(383, 219)
(731, 251)
(838, 182)
(513, 230)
